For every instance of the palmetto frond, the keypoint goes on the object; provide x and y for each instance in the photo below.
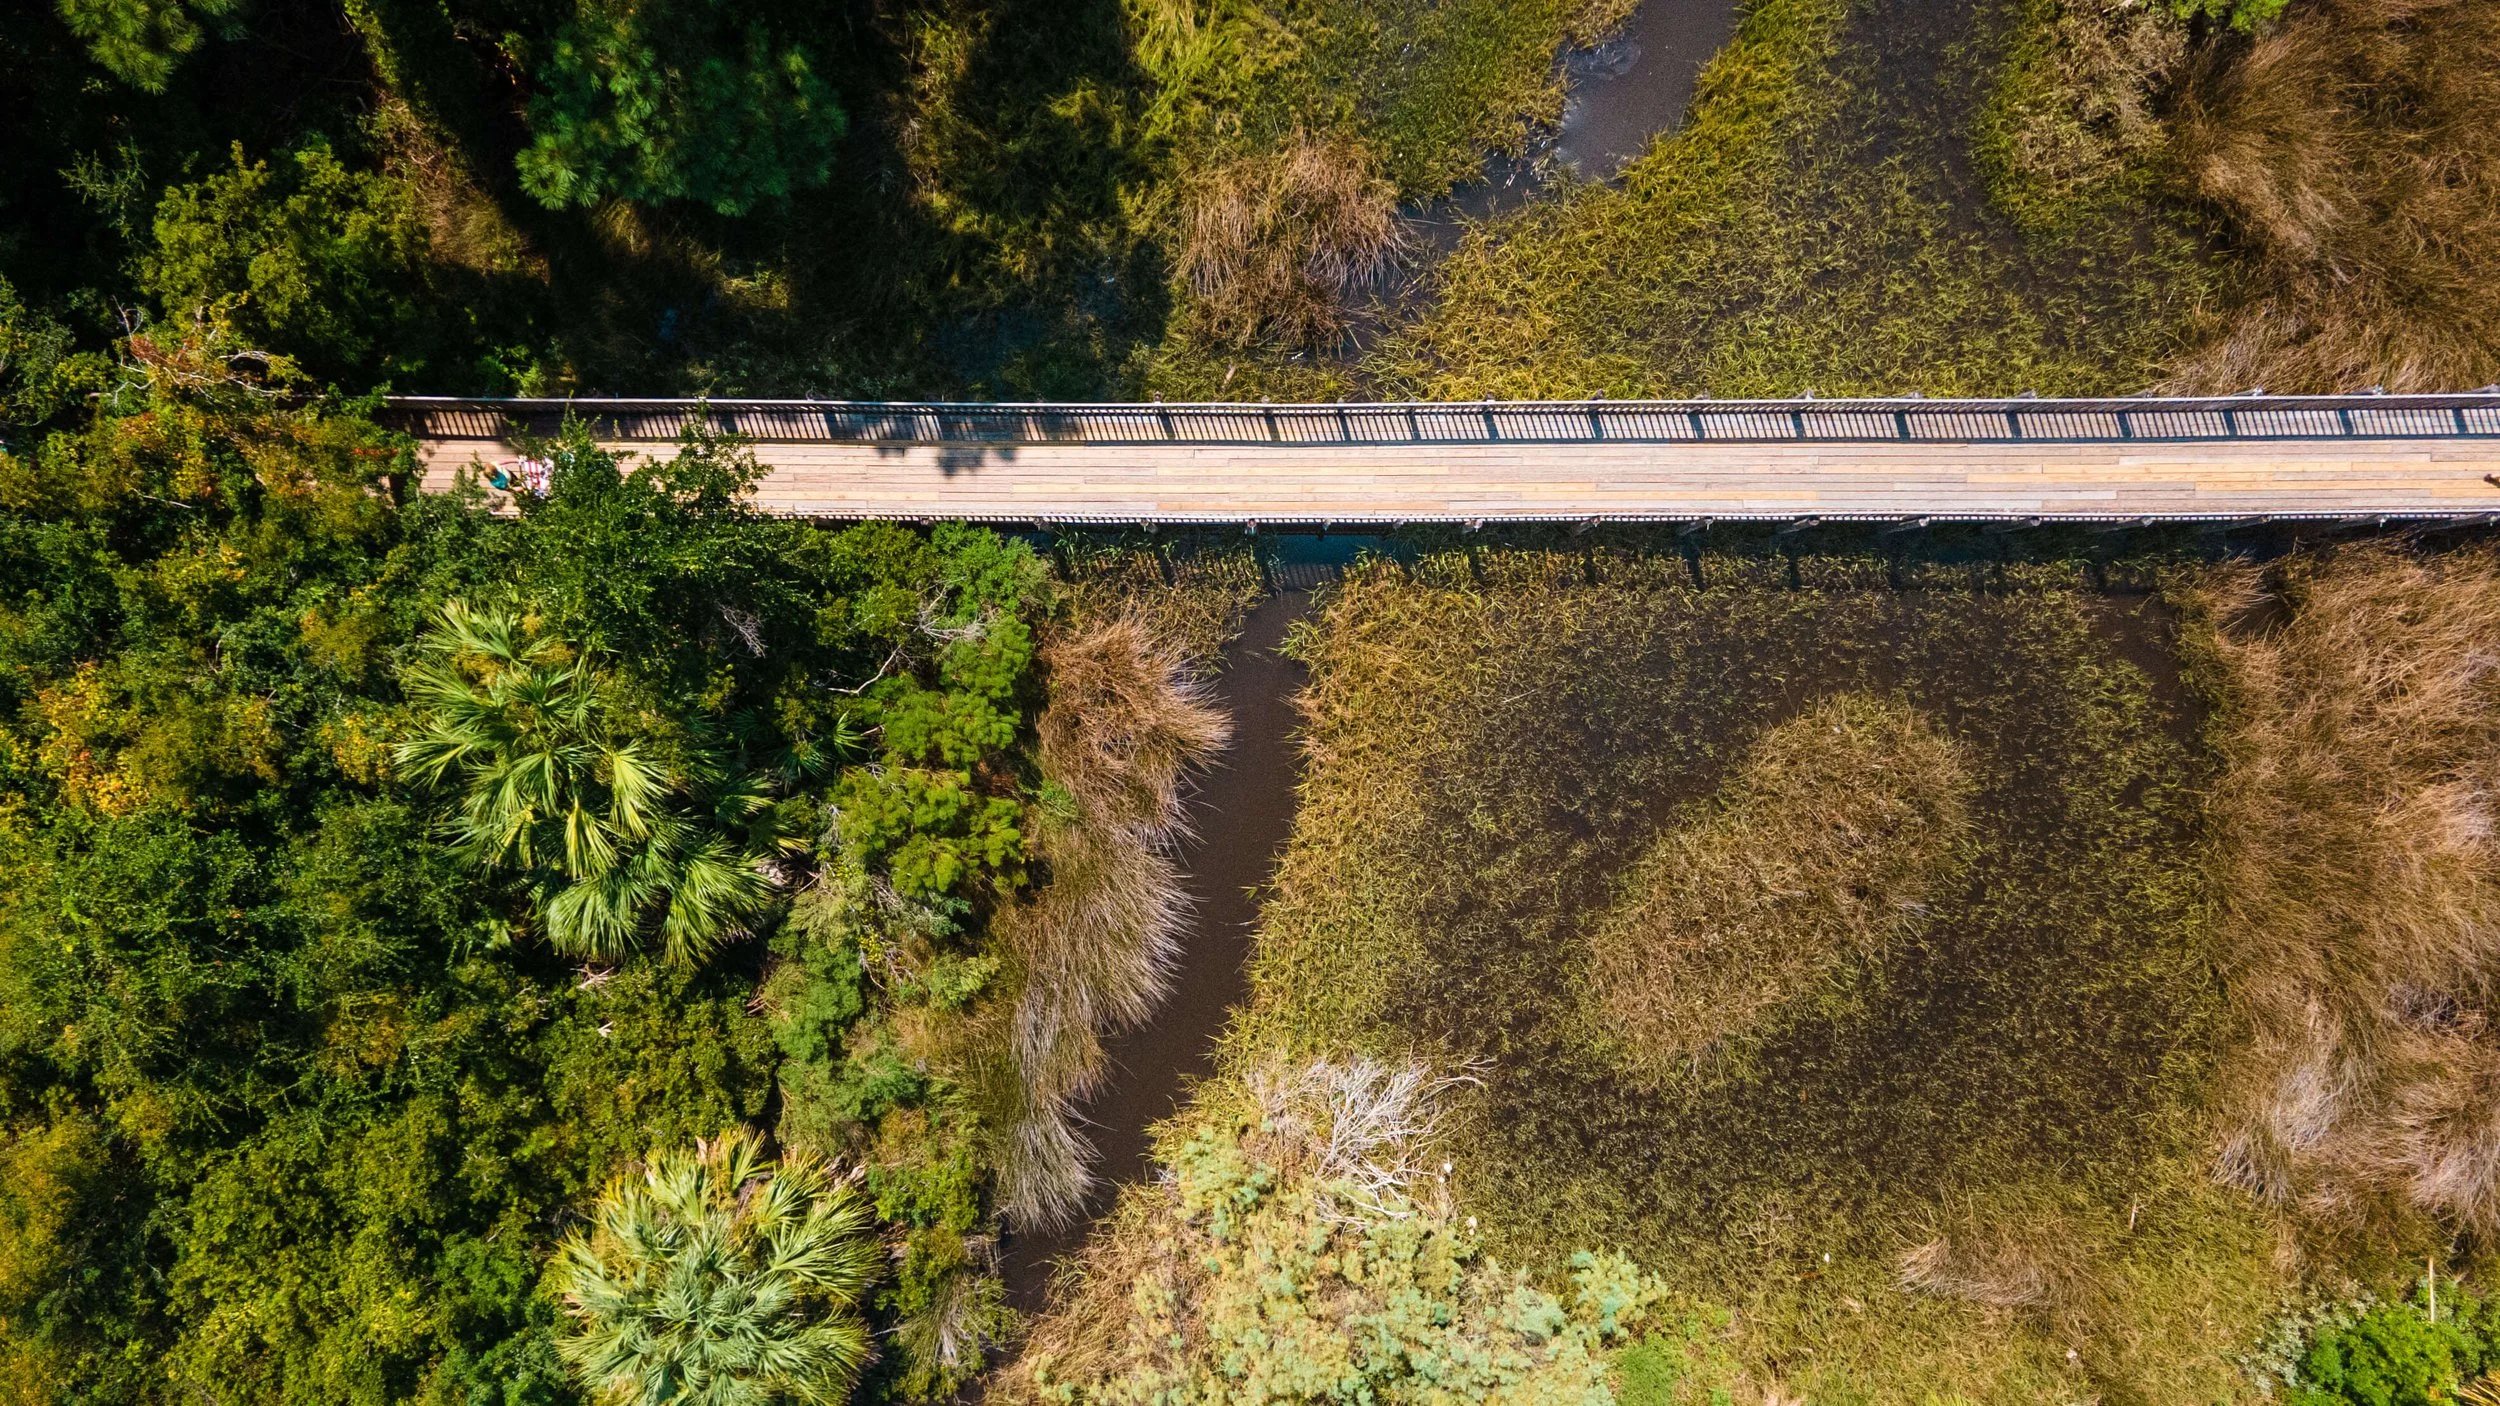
(622, 846)
(715, 1278)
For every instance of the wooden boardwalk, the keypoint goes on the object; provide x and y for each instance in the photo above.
(2254, 457)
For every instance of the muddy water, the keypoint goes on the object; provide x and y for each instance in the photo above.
(1243, 812)
(1636, 85)
(1617, 98)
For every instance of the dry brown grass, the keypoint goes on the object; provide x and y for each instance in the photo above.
(1125, 721)
(2355, 147)
(1821, 846)
(1277, 246)
(1984, 1267)
(2355, 862)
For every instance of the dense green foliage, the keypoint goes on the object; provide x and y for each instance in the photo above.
(313, 257)
(1297, 1251)
(2238, 14)
(619, 841)
(678, 100)
(295, 1093)
(141, 41)
(2397, 1353)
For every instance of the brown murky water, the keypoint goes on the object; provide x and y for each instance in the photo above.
(1243, 813)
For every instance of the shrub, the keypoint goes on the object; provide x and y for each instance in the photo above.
(1302, 1249)
(2238, 14)
(716, 1278)
(1822, 845)
(310, 258)
(2396, 1354)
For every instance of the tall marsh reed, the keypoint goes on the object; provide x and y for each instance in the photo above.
(2355, 148)
(2358, 873)
(1125, 722)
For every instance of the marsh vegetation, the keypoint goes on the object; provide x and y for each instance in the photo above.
(1947, 975)
(1494, 767)
(2356, 882)
(1817, 851)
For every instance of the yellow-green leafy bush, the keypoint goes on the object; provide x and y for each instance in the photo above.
(1300, 1248)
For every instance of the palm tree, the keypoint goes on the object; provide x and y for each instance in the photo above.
(553, 788)
(715, 1278)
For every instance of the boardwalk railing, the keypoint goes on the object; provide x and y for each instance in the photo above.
(2159, 419)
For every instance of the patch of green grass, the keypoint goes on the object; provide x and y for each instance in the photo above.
(1495, 741)
(1817, 224)
(1429, 87)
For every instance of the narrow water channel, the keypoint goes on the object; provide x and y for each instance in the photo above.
(1628, 90)
(1617, 98)
(1242, 813)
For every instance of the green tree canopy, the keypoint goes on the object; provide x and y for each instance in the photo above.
(678, 100)
(310, 258)
(281, 1119)
(142, 41)
(619, 839)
